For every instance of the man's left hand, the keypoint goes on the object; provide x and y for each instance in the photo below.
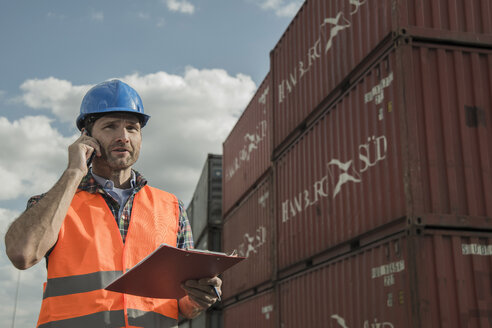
(202, 291)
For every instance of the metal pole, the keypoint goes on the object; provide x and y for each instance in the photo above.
(16, 297)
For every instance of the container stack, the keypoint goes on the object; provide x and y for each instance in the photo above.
(381, 172)
(247, 209)
(205, 216)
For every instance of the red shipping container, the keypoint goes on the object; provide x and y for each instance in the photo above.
(431, 279)
(328, 39)
(247, 150)
(249, 230)
(258, 312)
(411, 138)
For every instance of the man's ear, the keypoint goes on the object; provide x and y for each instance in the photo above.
(85, 131)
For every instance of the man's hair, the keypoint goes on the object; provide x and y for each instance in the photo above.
(91, 119)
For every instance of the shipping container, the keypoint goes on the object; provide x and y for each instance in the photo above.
(247, 149)
(327, 40)
(427, 278)
(212, 318)
(258, 311)
(411, 138)
(210, 239)
(249, 230)
(205, 208)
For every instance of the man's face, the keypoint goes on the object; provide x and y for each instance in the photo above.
(120, 138)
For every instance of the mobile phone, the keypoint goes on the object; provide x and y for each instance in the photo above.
(89, 161)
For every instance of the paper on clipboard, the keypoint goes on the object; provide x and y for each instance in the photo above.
(161, 273)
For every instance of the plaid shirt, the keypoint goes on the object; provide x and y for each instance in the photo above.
(89, 184)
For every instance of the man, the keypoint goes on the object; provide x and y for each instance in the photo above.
(97, 222)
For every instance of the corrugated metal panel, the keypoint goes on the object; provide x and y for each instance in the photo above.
(435, 279)
(259, 312)
(448, 99)
(247, 149)
(328, 39)
(215, 190)
(249, 230)
(206, 204)
(398, 144)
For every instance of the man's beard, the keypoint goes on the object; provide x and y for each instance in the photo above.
(118, 163)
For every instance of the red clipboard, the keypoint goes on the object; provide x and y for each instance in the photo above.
(161, 273)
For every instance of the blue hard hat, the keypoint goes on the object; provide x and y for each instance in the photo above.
(111, 96)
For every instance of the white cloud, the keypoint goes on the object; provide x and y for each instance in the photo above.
(282, 8)
(97, 16)
(30, 293)
(182, 6)
(34, 155)
(57, 96)
(6, 216)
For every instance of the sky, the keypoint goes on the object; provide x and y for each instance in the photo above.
(195, 63)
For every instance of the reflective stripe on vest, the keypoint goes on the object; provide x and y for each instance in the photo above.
(90, 253)
(79, 284)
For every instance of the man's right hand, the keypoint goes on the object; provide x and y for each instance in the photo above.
(81, 150)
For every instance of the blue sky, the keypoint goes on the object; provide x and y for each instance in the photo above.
(196, 65)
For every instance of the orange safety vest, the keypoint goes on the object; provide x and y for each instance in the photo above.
(90, 253)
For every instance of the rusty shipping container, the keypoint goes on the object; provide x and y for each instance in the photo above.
(428, 279)
(258, 312)
(410, 139)
(249, 230)
(247, 150)
(328, 39)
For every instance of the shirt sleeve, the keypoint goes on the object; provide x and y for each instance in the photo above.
(34, 200)
(185, 236)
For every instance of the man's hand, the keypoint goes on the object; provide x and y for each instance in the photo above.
(202, 291)
(201, 295)
(80, 151)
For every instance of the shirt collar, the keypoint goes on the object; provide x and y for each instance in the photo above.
(108, 184)
(90, 184)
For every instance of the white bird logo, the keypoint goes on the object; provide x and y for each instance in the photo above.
(344, 177)
(337, 27)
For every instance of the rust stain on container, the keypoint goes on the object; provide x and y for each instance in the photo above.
(411, 137)
(249, 230)
(435, 279)
(259, 311)
(247, 149)
(328, 39)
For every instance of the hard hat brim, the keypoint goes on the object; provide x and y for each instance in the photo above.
(142, 117)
